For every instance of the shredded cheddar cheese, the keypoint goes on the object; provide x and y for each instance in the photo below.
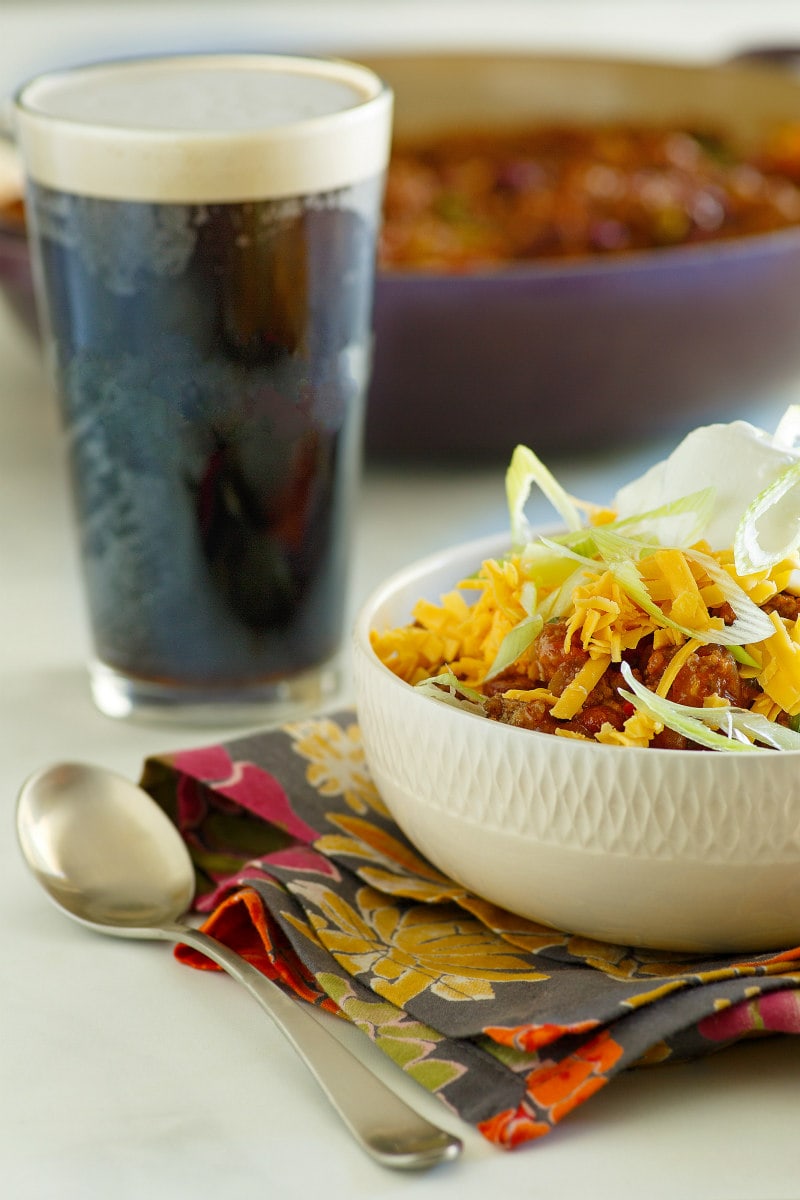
(780, 674)
(575, 694)
(602, 621)
(531, 694)
(677, 661)
(605, 619)
(638, 730)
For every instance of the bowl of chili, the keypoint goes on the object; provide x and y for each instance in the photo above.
(578, 251)
(596, 728)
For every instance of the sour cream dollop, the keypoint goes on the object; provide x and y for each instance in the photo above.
(739, 461)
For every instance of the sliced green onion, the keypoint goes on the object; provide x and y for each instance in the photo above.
(756, 725)
(448, 689)
(700, 724)
(663, 711)
(743, 658)
(627, 576)
(544, 562)
(558, 603)
(616, 556)
(749, 552)
(751, 624)
(562, 548)
(524, 470)
(619, 553)
(616, 547)
(516, 641)
(788, 429)
(527, 597)
(678, 523)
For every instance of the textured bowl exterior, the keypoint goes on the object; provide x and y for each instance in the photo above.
(673, 849)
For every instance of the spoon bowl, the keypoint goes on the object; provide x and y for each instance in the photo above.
(109, 857)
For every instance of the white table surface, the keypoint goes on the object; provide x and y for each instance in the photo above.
(125, 1075)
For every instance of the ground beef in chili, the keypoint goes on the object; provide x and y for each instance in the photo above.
(710, 670)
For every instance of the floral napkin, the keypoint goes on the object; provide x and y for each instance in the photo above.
(512, 1024)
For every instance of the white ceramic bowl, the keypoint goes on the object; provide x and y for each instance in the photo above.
(685, 850)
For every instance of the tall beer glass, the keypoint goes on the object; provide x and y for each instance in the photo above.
(204, 232)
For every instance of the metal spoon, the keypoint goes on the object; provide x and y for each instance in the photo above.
(110, 857)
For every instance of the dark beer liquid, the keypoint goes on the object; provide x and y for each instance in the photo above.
(211, 362)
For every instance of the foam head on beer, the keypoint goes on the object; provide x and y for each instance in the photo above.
(204, 128)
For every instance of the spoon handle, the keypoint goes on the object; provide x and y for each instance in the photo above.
(383, 1124)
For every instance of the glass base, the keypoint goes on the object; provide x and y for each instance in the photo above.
(262, 703)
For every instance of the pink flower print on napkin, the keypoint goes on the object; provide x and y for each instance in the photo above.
(251, 787)
(775, 1012)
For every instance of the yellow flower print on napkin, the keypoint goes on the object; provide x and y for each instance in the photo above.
(410, 1043)
(337, 766)
(385, 861)
(401, 952)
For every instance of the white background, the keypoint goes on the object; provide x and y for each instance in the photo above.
(123, 1075)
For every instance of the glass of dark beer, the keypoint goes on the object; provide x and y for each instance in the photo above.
(204, 232)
